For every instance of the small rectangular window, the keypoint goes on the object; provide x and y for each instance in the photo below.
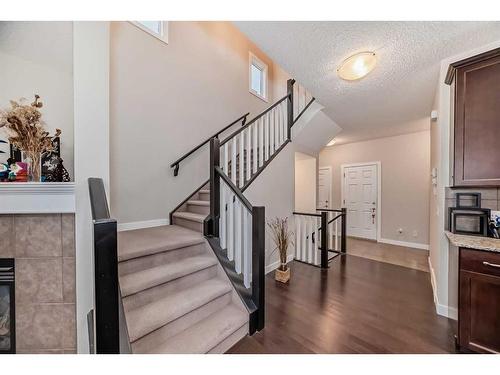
(158, 29)
(257, 77)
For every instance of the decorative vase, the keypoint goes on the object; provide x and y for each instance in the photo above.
(282, 274)
(34, 163)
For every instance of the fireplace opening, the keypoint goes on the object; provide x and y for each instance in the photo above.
(7, 304)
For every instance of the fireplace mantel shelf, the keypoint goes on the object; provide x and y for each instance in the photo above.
(37, 197)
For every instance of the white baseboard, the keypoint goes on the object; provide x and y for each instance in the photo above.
(413, 245)
(141, 224)
(271, 267)
(443, 310)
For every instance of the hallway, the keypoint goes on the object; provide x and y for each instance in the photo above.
(358, 306)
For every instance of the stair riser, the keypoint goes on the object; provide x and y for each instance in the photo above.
(204, 196)
(149, 261)
(153, 294)
(197, 209)
(230, 341)
(155, 338)
(193, 225)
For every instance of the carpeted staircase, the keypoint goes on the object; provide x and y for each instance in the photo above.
(176, 296)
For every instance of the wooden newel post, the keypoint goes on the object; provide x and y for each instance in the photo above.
(212, 225)
(289, 89)
(257, 318)
(324, 239)
(343, 239)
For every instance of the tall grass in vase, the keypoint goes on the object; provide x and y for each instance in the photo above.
(282, 238)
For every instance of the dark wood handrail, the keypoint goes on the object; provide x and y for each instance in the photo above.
(306, 214)
(302, 112)
(185, 200)
(234, 188)
(176, 163)
(253, 120)
(328, 210)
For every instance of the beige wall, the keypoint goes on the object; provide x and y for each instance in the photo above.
(305, 182)
(405, 180)
(165, 99)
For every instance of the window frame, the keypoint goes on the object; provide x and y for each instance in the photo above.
(253, 60)
(163, 35)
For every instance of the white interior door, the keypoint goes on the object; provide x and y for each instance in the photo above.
(324, 188)
(360, 199)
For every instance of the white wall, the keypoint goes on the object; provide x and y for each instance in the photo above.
(37, 58)
(405, 181)
(305, 182)
(91, 82)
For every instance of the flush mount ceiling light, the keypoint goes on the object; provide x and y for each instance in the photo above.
(332, 142)
(357, 66)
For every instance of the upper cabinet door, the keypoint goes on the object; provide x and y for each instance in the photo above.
(477, 123)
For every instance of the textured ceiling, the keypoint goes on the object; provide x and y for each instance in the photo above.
(397, 96)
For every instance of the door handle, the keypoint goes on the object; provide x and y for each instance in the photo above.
(491, 264)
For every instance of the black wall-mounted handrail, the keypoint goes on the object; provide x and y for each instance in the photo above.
(107, 298)
(176, 163)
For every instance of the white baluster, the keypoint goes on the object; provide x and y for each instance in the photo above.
(230, 225)
(241, 159)
(271, 132)
(330, 229)
(309, 239)
(337, 234)
(297, 237)
(234, 149)
(303, 229)
(266, 136)
(247, 248)
(316, 239)
(249, 148)
(283, 123)
(237, 235)
(255, 131)
(261, 142)
(222, 229)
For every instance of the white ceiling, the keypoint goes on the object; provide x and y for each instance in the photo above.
(397, 96)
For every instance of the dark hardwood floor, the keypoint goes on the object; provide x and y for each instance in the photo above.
(358, 306)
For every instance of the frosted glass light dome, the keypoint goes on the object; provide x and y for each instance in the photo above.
(357, 66)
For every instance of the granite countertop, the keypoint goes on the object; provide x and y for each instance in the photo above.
(474, 242)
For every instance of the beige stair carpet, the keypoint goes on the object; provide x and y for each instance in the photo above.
(176, 296)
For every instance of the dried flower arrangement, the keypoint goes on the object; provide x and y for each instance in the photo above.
(26, 131)
(282, 238)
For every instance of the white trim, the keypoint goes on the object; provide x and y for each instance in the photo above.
(254, 60)
(37, 197)
(271, 267)
(414, 245)
(163, 35)
(378, 164)
(443, 310)
(122, 227)
(330, 193)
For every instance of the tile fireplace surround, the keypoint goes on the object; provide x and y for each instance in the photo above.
(43, 246)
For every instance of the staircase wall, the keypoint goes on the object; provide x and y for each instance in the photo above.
(165, 99)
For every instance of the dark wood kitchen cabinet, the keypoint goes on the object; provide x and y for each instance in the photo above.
(476, 119)
(479, 301)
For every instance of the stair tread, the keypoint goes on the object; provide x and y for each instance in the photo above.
(206, 334)
(199, 203)
(138, 281)
(152, 316)
(141, 242)
(199, 218)
(204, 191)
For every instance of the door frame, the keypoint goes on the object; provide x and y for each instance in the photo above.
(378, 166)
(330, 193)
